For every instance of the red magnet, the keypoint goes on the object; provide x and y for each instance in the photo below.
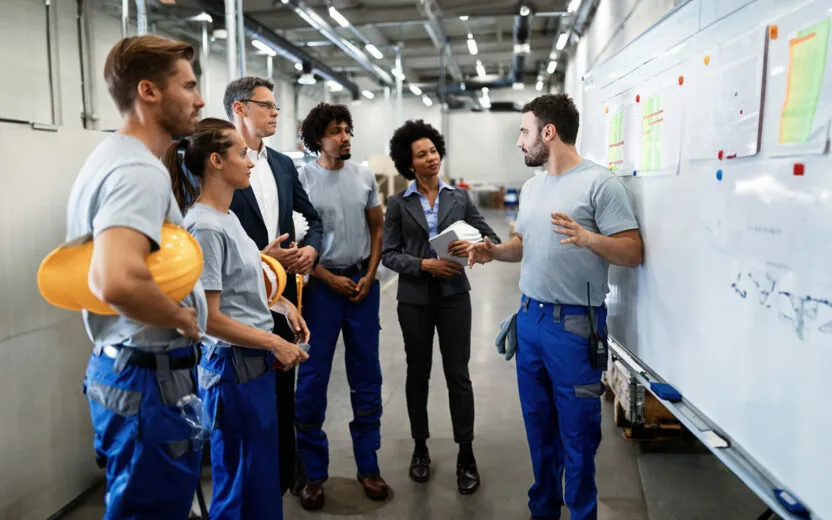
(638, 98)
(681, 80)
(773, 32)
(799, 169)
(720, 154)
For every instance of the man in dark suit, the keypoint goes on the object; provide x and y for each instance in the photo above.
(265, 211)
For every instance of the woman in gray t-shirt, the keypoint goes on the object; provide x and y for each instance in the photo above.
(239, 350)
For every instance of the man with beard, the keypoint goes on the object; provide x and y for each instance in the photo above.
(574, 220)
(143, 360)
(343, 296)
(265, 211)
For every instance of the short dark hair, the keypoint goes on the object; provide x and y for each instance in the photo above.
(139, 58)
(240, 89)
(400, 145)
(558, 110)
(314, 126)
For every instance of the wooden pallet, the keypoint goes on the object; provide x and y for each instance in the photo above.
(659, 423)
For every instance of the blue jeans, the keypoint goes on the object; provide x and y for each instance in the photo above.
(151, 461)
(237, 387)
(560, 397)
(327, 314)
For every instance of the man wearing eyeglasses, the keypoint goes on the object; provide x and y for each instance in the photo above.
(265, 211)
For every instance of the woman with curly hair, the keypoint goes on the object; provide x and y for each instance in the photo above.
(433, 294)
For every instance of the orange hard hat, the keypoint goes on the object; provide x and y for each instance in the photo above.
(275, 277)
(63, 274)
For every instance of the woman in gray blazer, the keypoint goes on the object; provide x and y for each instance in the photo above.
(433, 294)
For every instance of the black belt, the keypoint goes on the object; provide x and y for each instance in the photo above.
(147, 360)
(354, 270)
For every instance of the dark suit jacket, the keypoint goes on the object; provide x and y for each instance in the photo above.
(406, 242)
(291, 197)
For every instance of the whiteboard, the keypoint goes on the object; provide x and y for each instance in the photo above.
(733, 305)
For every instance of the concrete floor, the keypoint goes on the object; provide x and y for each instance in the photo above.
(677, 480)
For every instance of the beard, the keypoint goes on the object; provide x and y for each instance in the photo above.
(345, 156)
(537, 156)
(176, 119)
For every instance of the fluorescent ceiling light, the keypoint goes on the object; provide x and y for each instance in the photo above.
(518, 86)
(373, 50)
(263, 47)
(299, 66)
(285, 1)
(539, 86)
(416, 90)
(463, 18)
(397, 73)
(524, 10)
(202, 17)
(552, 66)
(307, 79)
(338, 17)
(562, 39)
(220, 34)
(369, 95)
(485, 102)
(472, 45)
(427, 101)
(485, 91)
(334, 86)
(522, 48)
(480, 69)
(573, 6)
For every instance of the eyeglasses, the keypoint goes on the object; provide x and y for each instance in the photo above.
(265, 104)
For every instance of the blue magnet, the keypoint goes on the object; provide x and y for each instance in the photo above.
(719, 175)
(634, 172)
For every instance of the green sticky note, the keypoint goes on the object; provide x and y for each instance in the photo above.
(807, 63)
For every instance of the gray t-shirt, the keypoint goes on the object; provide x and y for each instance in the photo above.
(597, 200)
(123, 184)
(342, 198)
(232, 265)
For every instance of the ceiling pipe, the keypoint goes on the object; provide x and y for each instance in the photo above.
(436, 30)
(283, 47)
(521, 44)
(314, 20)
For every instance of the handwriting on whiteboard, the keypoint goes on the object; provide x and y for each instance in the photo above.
(803, 312)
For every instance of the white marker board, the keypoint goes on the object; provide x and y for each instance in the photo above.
(733, 305)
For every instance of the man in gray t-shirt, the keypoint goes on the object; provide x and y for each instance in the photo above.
(574, 220)
(142, 365)
(343, 296)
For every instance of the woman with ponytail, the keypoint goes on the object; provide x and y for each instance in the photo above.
(238, 352)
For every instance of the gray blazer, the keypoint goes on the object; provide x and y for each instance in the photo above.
(406, 242)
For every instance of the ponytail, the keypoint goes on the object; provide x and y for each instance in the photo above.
(185, 189)
(186, 172)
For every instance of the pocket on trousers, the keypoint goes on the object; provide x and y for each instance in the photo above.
(590, 391)
(246, 408)
(114, 416)
(577, 324)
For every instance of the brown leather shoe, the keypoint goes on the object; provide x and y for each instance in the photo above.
(375, 488)
(312, 496)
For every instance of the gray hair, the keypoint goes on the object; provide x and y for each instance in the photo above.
(241, 89)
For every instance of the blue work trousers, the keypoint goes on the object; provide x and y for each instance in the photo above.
(560, 397)
(327, 314)
(237, 387)
(149, 451)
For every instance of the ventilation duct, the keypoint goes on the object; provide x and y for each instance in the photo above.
(521, 47)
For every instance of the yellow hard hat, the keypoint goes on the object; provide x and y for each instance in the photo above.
(275, 277)
(63, 274)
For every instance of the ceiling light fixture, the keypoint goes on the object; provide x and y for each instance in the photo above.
(524, 10)
(367, 94)
(427, 101)
(463, 18)
(298, 67)
(334, 86)
(262, 47)
(416, 90)
(539, 86)
(480, 69)
(338, 17)
(552, 66)
(472, 45)
(573, 6)
(374, 52)
(562, 39)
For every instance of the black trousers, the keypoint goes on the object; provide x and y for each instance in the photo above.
(451, 318)
(291, 471)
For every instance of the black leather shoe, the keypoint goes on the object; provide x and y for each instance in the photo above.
(420, 467)
(467, 478)
(312, 497)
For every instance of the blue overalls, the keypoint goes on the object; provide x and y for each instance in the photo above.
(237, 388)
(559, 395)
(327, 313)
(151, 453)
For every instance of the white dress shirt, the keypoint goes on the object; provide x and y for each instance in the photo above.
(265, 190)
